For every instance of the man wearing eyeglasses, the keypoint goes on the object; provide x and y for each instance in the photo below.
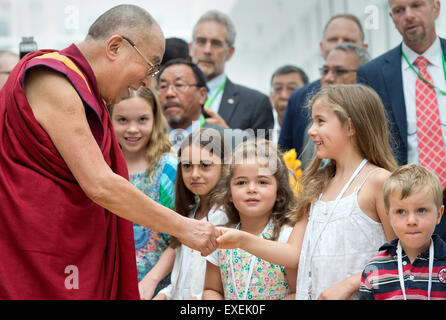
(182, 91)
(342, 64)
(284, 81)
(66, 203)
(341, 28)
(227, 104)
(411, 81)
(8, 60)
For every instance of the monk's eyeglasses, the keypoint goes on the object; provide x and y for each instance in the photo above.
(153, 69)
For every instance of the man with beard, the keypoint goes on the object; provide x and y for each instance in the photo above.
(182, 91)
(228, 104)
(411, 80)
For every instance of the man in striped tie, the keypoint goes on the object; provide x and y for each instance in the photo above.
(411, 80)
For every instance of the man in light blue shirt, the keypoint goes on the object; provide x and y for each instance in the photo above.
(228, 104)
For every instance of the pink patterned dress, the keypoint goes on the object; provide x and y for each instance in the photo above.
(247, 277)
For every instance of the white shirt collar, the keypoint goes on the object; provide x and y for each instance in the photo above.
(215, 83)
(433, 54)
(194, 126)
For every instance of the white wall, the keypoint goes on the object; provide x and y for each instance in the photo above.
(270, 33)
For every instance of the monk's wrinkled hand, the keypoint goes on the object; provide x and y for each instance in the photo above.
(200, 236)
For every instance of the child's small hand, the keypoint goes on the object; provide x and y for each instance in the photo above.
(229, 238)
(160, 296)
(342, 290)
(147, 287)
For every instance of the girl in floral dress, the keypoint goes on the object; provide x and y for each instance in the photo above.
(142, 133)
(258, 199)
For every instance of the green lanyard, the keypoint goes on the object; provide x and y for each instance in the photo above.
(421, 77)
(210, 100)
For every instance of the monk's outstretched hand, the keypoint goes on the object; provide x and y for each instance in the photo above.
(200, 236)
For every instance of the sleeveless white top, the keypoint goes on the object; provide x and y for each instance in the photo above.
(348, 242)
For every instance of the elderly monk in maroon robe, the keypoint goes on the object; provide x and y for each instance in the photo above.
(66, 205)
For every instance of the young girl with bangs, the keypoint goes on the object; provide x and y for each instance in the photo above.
(341, 219)
(142, 133)
(201, 160)
(256, 194)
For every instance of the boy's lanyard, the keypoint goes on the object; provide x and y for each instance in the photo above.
(400, 269)
(421, 77)
(210, 100)
(250, 270)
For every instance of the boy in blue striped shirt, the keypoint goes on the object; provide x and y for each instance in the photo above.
(414, 265)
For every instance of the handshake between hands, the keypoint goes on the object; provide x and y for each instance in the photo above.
(206, 238)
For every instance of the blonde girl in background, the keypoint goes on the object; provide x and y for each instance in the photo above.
(142, 133)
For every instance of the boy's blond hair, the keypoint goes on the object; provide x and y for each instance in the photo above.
(409, 179)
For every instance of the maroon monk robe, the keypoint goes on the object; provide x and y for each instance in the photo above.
(55, 243)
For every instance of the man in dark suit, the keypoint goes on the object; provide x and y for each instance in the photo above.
(228, 104)
(341, 28)
(182, 92)
(284, 81)
(394, 77)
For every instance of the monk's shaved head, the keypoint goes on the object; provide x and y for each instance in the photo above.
(122, 17)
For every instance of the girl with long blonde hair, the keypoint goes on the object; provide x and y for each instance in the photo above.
(142, 133)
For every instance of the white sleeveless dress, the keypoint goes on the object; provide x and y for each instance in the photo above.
(350, 239)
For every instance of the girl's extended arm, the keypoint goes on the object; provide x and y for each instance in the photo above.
(284, 254)
(213, 287)
(161, 269)
(291, 275)
(61, 113)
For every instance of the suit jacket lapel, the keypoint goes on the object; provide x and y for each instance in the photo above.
(229, 101)
(394, 82)
(443, 45)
